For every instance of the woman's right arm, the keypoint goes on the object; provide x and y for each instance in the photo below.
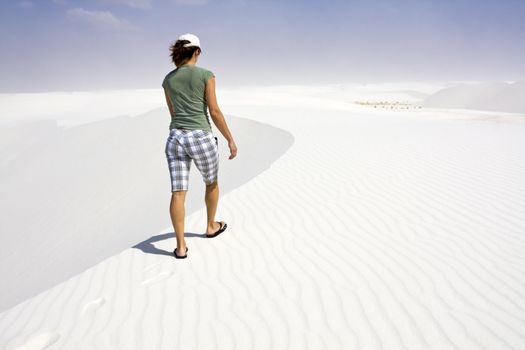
(218, 117)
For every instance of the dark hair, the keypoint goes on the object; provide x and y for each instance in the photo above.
(180, 54)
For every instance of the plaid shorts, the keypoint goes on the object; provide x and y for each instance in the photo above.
(182, 146)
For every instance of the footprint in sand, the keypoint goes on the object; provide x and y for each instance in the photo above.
(40, 341)
(157, 278)
(93, 305)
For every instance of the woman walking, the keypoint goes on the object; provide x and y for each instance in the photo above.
(190, 91)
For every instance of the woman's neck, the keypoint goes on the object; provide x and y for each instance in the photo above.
(189, 63)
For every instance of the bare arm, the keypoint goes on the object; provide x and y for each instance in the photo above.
(218, 117)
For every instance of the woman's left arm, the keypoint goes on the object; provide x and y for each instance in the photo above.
(170, 107)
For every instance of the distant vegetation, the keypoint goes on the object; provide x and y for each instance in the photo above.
(388, 104)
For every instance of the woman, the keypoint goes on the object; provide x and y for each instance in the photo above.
(190, 91)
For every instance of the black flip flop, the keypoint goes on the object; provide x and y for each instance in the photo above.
(223, 227)
(180, 256)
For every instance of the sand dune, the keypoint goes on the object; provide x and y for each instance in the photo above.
(75, 108)
(374, 230)
(490, 96)
(74, 196)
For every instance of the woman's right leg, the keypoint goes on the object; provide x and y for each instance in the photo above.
(203, 148)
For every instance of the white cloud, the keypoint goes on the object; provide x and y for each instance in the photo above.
(98, 19)
(25, 4)
(141, 4)
(192, 2)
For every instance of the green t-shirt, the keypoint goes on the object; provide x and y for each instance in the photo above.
(185, 87)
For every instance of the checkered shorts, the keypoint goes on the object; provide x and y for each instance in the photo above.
(182, 146)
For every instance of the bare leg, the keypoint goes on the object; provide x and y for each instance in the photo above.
(177, 213)
(211, 199)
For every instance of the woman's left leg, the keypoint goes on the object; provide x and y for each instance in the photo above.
(179, 164)
(177, 213)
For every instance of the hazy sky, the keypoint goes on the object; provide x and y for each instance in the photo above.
(57, 45)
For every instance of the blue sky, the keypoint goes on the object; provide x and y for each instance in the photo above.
(58, 45)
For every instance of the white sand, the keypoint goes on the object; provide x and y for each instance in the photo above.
(77, 107)
(490, 96)
(375, 230)
(74, 196)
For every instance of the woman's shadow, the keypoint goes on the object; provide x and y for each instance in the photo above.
(148, 247)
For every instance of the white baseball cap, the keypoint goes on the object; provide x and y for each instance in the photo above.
(193, 40)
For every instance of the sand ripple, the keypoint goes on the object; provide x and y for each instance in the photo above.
(364, 235)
